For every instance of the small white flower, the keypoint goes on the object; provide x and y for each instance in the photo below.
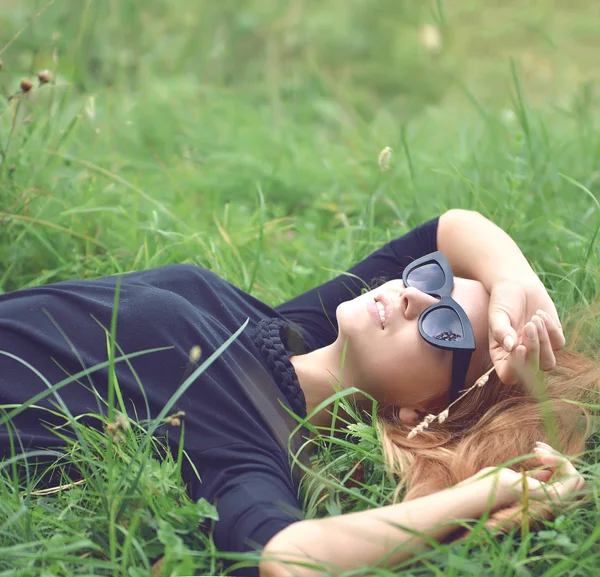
(195, 353)
(508, 116)
(429, 418)
(431, 38)
(384, 159)
(443, 416)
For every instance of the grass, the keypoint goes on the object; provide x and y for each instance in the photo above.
(243, 136)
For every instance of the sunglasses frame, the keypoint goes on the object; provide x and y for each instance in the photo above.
(462, 349)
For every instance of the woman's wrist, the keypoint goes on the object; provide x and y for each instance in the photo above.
(492, 490)
(505, 493)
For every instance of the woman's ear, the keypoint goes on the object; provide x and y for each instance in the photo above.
(409, 416)
(404, 414)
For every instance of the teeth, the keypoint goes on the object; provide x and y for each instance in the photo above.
(381, 310)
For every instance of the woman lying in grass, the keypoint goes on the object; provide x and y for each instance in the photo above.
(461, 299)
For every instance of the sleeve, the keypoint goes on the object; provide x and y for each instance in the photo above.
(314, 311)
(255, 499)
(252, 511)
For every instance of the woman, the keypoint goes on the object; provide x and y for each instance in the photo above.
(237, 413)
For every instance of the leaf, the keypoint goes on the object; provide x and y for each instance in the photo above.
(560, 521)
(207, 510)
(563, 540)
(464, 566)
(333, 509)
(187, 518)
(178, 559)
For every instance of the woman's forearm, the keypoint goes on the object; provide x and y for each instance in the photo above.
(478, 249)
(368, 538)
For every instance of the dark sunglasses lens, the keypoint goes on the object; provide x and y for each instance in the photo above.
(443, 324)
(429, 277)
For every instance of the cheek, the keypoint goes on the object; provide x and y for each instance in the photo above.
(395, 368)
(417, 373)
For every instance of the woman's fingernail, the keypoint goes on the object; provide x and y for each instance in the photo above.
(530, 330)
(509, 343)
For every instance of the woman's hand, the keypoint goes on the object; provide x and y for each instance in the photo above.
(512, 304)
(559, 483)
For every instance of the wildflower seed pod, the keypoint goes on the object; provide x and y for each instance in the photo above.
(175, 422)
(443, 416)
(483, 380)
(195, 354)
(44, 77)
(111, 427)
(26, 85)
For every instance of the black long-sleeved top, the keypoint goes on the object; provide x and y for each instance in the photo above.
(243, 468)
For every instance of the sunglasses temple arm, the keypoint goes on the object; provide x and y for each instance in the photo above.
(460, 366)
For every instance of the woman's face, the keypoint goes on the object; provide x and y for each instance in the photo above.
(395, 364)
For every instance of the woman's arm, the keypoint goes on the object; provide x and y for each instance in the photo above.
(387, 535)
(478, 249)
(369, 537)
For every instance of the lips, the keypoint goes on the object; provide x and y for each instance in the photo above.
(374, 313)
(382, 303)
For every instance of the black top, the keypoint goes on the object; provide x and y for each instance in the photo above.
(233, 417)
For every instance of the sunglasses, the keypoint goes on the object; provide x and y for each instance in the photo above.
(445, 324)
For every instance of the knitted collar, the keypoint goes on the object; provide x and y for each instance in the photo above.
(272, 337)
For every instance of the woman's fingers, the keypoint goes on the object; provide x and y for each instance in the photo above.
(525, 358)
(534, 350)
(554, 330)
(547, 358)
(570, 483)
(542, 475)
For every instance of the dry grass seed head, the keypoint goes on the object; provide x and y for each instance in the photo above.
(44, 76)
(26, 85)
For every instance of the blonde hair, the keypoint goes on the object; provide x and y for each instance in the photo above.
(494, 425)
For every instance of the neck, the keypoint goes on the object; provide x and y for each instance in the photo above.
(320, 376)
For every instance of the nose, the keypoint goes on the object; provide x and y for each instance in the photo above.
(414, 302)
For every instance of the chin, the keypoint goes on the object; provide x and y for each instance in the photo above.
(349, 318)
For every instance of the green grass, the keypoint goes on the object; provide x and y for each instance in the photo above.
(243, 136)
